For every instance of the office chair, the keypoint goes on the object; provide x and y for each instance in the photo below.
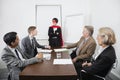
(115, 64)
(8, 76)
(85, 76)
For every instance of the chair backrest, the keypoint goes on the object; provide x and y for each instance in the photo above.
(115, 64)
(103, 78)
(96, 77)
(112, 67)
(85, 76)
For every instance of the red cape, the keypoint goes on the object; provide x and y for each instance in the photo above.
(55, 26)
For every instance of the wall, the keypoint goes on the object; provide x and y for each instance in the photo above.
(107, 13)
(17, 15)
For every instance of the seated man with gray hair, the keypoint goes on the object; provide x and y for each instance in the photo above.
(85, 48)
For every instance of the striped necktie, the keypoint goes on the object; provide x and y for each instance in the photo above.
(17, 54)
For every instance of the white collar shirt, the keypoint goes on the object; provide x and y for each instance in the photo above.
(13, 50)
(101, 49)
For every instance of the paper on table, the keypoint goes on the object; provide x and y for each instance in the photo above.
(44, 50)
(62, 61)
(60, 50)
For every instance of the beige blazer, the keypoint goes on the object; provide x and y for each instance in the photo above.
(86, 50)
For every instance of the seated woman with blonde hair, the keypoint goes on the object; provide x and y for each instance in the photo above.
(105, 58)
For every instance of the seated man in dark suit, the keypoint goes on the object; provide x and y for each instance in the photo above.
(14, 58)
(29, 44)
(85, 48)
(103, 61)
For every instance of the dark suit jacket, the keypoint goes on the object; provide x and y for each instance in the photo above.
(86, 50)
(14, 65)
(103, 63)
(28, 48)
(55, 42)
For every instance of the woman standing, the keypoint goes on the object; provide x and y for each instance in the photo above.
(55, 34)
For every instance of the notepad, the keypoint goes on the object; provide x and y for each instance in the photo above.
(60, 50)
(44, 50)
(62, 61)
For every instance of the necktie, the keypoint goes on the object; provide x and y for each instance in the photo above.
(78, 49)
(33, 44)
(17, 54)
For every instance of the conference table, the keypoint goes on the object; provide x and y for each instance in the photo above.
(46, 70)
